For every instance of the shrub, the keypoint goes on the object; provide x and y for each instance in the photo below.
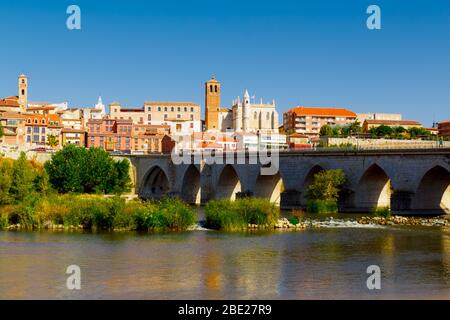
(222, 214)
(3, 221)
(322, 206)
(383, 212)
(228, 215)
(172, 214)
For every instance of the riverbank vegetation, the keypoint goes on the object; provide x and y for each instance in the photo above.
(323, 193)
(383, 212)
(237, 215)
(96, 212)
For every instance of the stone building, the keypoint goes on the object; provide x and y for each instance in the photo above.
(243, 116)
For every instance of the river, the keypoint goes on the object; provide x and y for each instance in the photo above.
(326, 263)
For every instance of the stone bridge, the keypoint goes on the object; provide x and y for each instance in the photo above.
(409, 181)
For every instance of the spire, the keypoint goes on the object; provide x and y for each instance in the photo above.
(246, 95)
(99, 100)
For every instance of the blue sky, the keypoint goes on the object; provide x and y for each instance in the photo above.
(311, 53)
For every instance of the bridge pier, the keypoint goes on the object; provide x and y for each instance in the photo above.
(290, 199)
(401, 201)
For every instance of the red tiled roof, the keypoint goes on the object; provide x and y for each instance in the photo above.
(332, 112)
(394, 122)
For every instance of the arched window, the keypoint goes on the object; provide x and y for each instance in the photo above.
(43, 121)
(35, 121)
(215, 88)
(210, 88)
(23, 92)
(29, 120)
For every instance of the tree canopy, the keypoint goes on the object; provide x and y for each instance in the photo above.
(77, 169)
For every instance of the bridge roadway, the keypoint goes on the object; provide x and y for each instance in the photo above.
(409, 181)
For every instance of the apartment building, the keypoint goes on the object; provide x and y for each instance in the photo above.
(39, 127)
(444, 128)
(182, 117)
(120, 135)
(308, 121)
(13, 124)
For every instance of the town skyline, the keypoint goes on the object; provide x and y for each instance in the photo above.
(277, 52)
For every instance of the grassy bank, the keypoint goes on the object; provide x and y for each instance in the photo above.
(237, 215)
(98, 213)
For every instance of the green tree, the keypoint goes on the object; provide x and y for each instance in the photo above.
(52, 140)
(326, 185)
(77, 169)
(66, 169)
(2, 132)
(6, 179)
(414, 132)
(326, 130)
(23, 178)
(383, 131)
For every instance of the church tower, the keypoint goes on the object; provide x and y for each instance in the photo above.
(212, 104)
(246, 111)
(23, 92)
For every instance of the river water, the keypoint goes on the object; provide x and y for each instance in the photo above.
(326, 263)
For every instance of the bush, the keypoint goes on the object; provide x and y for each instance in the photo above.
(322, 206)
(170, 214)
(383, 212)
(222, 214)
(228, 215)
(3, 221)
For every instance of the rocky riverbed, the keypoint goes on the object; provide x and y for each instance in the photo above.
(285, 224)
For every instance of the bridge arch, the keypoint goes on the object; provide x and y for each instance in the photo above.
(433, 192)
(191, 190)
(269, 187)
(228, 184)
(373, 189)
(309, 179)
(156, 184)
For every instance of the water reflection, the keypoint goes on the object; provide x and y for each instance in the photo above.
(323, 263)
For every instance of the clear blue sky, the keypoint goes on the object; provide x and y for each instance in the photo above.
(312, 53)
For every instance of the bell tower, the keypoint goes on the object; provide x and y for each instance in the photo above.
(23, 92)
(212, 104)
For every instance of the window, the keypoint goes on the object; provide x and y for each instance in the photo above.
(215, 88)
(35, 121)
(179, 109)
(210, 88)
(35, 138)
(23, 80)
(172, 109)
(28, 138)
(43, 121)
(255, 116)
(165, 109)
(192, 109)
(36, 130)
(57, 123)
(149, 109)
(141, 120)
(23, 92)
(159, 109)
(192, 117)
(28, 129)
(178, 116)
(149, 118)
(43, 130)
(185, 109)
(165, 116)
